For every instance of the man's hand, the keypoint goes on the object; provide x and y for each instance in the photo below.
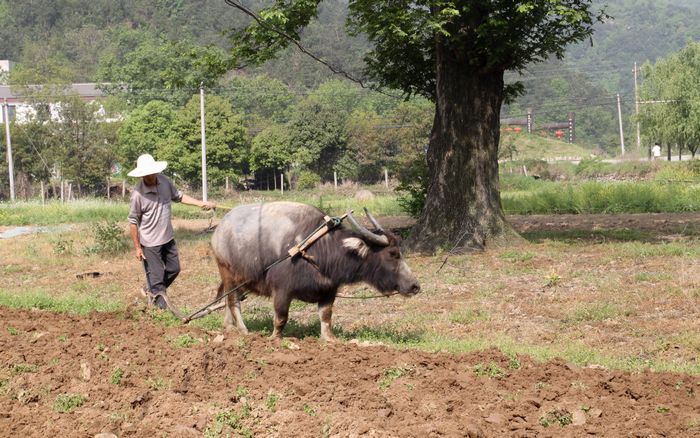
(208, 205)
(139, 254)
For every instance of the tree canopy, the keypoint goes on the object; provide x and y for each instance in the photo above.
(455, 53)
(672, 114)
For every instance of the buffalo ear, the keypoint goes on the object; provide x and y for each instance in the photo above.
(357, 246)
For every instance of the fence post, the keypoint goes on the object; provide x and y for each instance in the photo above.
(109, 188)
(282, 183)
(43, 201)
(386, 178)
(70, 191)
(335, 180)
(62, 192)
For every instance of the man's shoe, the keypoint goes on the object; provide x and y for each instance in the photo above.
(159, 300)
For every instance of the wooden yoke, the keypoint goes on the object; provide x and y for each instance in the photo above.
(328, 224)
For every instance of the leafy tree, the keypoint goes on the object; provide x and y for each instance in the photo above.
(145, 130)
(672, 83)
(271, 149)
(317, 136)
(454, 53)
(260, 97)
(227, 143)
(161, 69)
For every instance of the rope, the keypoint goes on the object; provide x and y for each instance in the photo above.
(365, 298)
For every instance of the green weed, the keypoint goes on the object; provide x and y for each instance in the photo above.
(12, 331)
(271, 401)
(309, 410)
(492, 370)
(158, 384)
(391, 374)
(117, 376)
(184, 341)
(22, 368)
(560, 417)
(67, 403)
(230, 419)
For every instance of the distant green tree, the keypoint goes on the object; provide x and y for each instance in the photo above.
(317, 136)
(271, 149)
(145, 130)
(227, 143)
(158, 68)
(672, 82)
(84, 145)
(260, 97)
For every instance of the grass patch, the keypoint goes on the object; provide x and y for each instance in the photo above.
(516, 256)
(604, 197)
(67, 403)
(184, 341)
(98, 210)
(467, 316)
(640, 250)
(73, 304)
(575, 236)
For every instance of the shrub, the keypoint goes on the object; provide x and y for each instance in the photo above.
(307, 180)
(109, 238)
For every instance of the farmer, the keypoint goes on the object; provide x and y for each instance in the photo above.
(150, 225)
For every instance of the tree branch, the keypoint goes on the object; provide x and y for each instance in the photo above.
(297, 43)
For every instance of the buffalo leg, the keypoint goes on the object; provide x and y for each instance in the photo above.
(232, 311)
(281, 302)
(325, 312)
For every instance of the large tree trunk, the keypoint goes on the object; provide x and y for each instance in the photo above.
(463, 204)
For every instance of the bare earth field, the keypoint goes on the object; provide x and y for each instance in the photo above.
(556, 336)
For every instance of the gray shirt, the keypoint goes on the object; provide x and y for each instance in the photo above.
(151, 212)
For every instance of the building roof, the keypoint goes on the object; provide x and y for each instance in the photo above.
(13, 94)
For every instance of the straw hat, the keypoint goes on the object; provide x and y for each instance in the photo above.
(146, 165)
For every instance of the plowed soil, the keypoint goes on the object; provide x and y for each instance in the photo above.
(130, 375)
(260, 387)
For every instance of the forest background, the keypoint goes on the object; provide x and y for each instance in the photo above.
(290, 115)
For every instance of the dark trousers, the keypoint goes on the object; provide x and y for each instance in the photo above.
(162, 264)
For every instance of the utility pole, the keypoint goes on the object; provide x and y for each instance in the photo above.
(636, 107)
(622, 135)
(204, 143)
(10, 162)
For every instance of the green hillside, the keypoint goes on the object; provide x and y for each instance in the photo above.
(536, 147)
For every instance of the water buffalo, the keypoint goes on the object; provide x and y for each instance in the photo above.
(252, 237)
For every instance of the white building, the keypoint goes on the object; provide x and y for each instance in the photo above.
(19, 104)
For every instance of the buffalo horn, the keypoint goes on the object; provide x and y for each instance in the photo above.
(377, 239)
(373, 220)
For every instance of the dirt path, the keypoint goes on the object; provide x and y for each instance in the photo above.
(253, 386)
